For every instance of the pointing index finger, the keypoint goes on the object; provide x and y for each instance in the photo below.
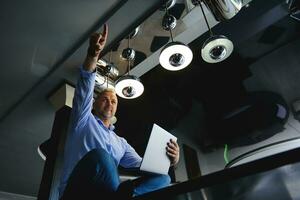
(105, 31)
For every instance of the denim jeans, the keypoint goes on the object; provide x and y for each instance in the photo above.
(96, 175)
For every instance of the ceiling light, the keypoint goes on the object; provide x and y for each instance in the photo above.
(106, 72)
(175, 56)
(107, 68)
(102, 82)
(128, 54)
(169, 22)
(224, 10)
(167, 4)
(134, 33)
(220, 9)
(129, 87)
(216, 49)
(102, 62)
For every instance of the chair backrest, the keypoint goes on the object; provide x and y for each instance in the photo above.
(264, 151)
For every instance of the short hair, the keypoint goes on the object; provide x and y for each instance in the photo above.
(98, 93)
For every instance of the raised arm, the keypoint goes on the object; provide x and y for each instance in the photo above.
(82, 102)
(97, 43)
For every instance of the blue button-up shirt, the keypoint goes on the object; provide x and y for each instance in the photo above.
(87, 132)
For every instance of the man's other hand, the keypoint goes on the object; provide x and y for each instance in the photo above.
(173, 152)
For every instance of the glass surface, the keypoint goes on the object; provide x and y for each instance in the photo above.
(278, 184)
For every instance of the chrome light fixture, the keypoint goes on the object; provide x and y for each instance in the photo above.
(175, 55)
(134, 32)
(128, 54)
(169, 22)
(129, 86)
(167, 4)
(107, 68)
(223, 10)
(217, 47)
(106, 72)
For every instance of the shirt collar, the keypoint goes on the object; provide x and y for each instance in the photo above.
(111, 127)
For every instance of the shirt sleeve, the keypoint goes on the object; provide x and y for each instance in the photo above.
(83, 98)
(130, 158)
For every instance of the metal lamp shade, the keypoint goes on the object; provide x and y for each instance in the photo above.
(129, 87)
(216, 49)
(175, 56)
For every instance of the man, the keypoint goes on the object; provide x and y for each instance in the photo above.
(93, 151)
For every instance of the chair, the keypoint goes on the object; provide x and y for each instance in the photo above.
(258, 116)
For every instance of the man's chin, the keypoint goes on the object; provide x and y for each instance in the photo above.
(107, 116)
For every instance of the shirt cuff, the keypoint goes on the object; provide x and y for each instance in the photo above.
(86, 74)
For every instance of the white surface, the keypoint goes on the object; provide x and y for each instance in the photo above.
(13, 196)
(224, 42)
(41, 153)
(166, 54)
(137, 86)
(270, 150)
(155, 158)
(62, 97)
(296, 106)
(125, 178)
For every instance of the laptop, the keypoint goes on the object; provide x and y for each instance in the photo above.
(155, 158)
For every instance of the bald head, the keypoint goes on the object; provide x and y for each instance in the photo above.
(103, 90)
(105, 105)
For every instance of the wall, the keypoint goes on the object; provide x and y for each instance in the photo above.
(187, 132)
(11, 196)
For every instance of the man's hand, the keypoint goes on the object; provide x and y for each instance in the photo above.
(96, 45)
(97, 42)
(173, 152)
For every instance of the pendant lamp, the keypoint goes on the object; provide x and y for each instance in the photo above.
(129, 86)
(217, 47)
(175, 55)
(106, 72)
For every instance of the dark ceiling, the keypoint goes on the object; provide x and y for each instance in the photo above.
(169, 96)
(44, 42)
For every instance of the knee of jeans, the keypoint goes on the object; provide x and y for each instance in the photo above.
(99, 155)
(165, 179)
(98, 151)
(104, 167)
(100, 158)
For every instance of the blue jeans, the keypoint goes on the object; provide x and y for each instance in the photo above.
(96, 175)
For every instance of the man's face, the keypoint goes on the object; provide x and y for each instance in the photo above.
(105, 105)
